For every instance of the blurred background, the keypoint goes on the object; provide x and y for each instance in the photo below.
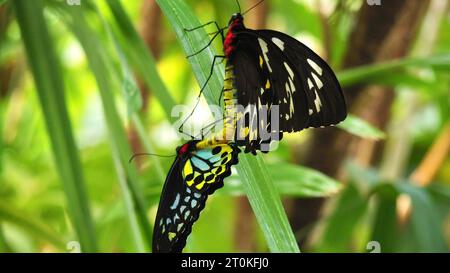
(85, 84)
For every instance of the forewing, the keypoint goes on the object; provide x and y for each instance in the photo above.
(301, 83)
(326, 103)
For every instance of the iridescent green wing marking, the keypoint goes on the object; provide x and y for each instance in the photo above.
(193, 177)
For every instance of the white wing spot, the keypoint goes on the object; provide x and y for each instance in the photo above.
(310, 112)
(310, 84)
(288, 89)
(319, 83)
(289, 70)
(264, 49)
(175, 203)
(315, 66)
(278, 42)
(291, 105)
(292, 85)
(317, 102)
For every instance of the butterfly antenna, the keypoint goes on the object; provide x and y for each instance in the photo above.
(142, 154)
(239, 6)
(254, 6)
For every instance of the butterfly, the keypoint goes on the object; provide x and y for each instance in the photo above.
(275, 84)
(198, 171)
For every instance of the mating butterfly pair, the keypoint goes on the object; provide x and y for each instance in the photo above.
(265, 69)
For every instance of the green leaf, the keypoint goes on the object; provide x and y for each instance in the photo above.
(361, 128)
(2, 144)
(385, 230)
(339, 229)
(133, 96)
(363, 73)
(50, 87)
(140, 58)
(127, 173)
(131, 92)
(423, 231)
(258, 184)
(4, 247)
(425, 226)
(291, 180)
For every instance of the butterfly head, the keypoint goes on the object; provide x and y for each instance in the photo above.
(236, 19)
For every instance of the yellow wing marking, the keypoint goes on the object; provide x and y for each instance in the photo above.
(200, 185)
(171, 235)
(216, 171)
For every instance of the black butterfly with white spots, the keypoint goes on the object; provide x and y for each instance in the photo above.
(267, 68)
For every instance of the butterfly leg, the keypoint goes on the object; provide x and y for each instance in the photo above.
(220, 97)
(180, 130)
(207, 45)
(202, 26)
(209, 127)
(211, 72)
(219, 29)
(200, 94)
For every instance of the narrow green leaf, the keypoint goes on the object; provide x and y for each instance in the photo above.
(133, 96)
(385, 229)
(128, 176)
(423, 231)
(361, 128)
(291, 180)
(4, 248)
(48, 80)
(2, 118)
(340, 226)
(140, 58)
(258, 184)
(426, 225)
(361, 74)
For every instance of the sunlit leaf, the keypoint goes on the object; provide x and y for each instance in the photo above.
(47, 76)
(291, 180)
(361, 128)
(31, 224)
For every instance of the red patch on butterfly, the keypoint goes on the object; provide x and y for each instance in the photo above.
(229, 39)
(183, 149)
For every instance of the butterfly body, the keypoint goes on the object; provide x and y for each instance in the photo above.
(235, 25)
(198, 171)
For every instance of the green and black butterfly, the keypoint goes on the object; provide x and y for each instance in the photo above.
(198, 171)
(268, 70)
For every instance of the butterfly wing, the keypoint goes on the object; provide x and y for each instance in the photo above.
(310, 73)
(290, 75)
(190, 180)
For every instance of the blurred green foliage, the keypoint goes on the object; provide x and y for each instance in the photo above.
(70, 98)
